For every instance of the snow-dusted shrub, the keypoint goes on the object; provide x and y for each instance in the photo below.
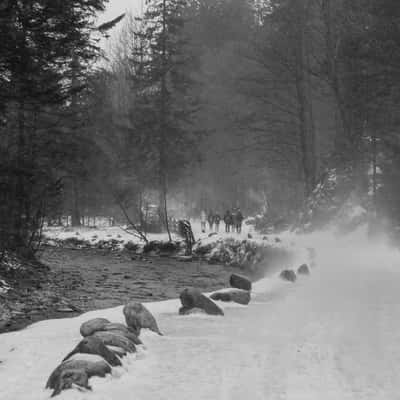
(161, 247)
(75, 242)
(130, 246)
(336, 202)
(4, 286)
(244, 254)
(5, 316)
(111, 244)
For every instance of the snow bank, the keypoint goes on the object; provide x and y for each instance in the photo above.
(119, 237)
(29, 356)
(113, 238)
(334, 335)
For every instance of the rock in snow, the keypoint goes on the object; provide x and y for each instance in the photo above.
(102, 325)
(59, 380)
(137, 316)
(93, 325)
(288, 275)
(116, 339)
(240, 282)
(126, 334)
(70, 377)
(235, 295)
(303, 270)
(193, 298)
(94, 345)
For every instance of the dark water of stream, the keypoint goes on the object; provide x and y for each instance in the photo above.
(95, 279)
(81, 280)
(90, 279)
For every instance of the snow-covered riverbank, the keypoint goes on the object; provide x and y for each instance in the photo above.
(93, 236)
(334, 335)
(111, 265)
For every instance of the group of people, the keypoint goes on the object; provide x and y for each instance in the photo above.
(233, 220)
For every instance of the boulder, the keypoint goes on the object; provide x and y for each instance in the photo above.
(69, 378)
(103, 325)
(193, 298)
(235, 295)
(126, 334)
(94, 345)
(92, 368)
(288, 275)
(93, 325)
(240, 282)
(137, 316)
(115, 339)
(122, 330)
(303, 270)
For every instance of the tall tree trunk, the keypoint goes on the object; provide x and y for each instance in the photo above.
(332, 39)
(76, 214)
(19, 237)
(305, 107)
(19, 195)
(164, 207)
(374, 151)
(163, 167)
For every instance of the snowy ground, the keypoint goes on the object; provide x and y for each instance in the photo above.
(333, 336)
(95, 235)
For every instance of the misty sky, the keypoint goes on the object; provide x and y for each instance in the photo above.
(117, 7)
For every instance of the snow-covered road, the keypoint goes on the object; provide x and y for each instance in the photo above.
(333, 336)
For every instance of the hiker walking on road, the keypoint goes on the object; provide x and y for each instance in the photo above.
(203, 220)
(210, 219)
(238, 220)
(217, 220)
(228, 221)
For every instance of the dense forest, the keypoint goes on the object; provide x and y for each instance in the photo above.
(262, 104)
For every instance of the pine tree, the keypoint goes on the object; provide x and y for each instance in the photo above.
(39, 38)
(163, 67)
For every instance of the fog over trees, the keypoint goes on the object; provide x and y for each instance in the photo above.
(206, 104)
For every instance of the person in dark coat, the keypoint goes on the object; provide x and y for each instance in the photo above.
(210, 219)
(238, 220)
(217, 220)
(228, 221)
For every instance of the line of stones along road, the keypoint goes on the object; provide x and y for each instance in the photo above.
(105, 344)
